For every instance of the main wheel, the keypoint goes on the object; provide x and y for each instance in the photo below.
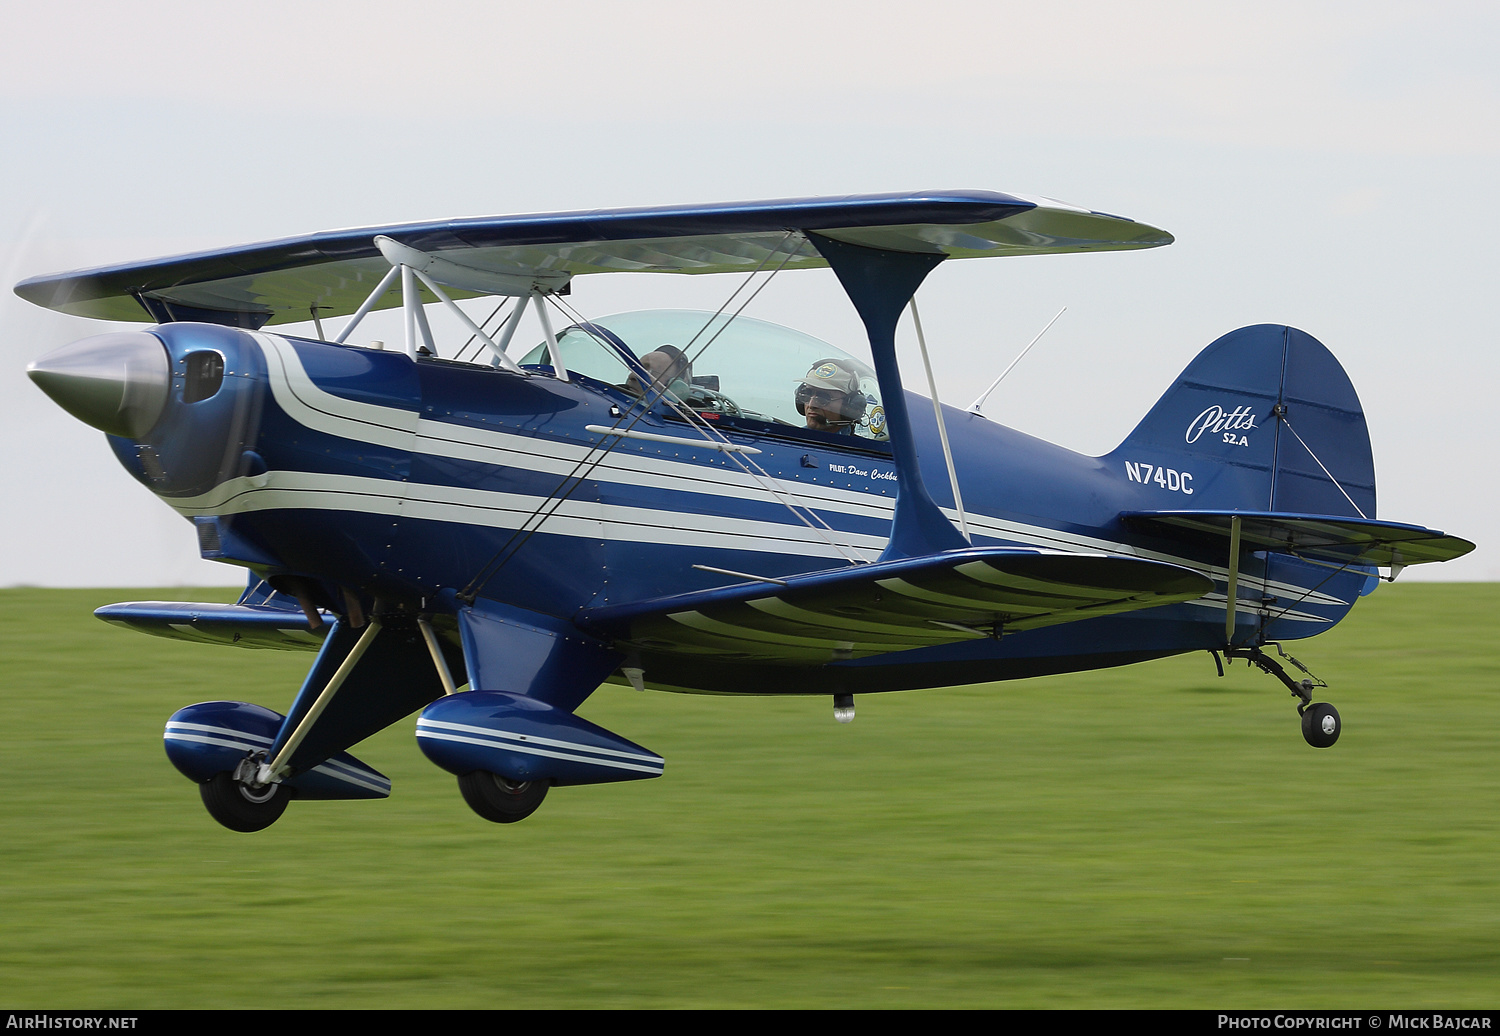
(240, 807)
(496, 798)
(1321, 725)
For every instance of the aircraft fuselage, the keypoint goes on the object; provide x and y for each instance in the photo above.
(407, 480)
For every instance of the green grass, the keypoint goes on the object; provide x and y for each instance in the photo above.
(1149, 836)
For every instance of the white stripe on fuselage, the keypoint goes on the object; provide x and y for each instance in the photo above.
(297, 394)
(310, 405)
(573, 517)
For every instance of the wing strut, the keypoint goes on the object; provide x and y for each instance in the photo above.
(880, 283)
(280, 766)
(501, 358)
(942, 426)
(438, 661)
(558, 368)
(1232, 589)
(368, 304)
(413, 265)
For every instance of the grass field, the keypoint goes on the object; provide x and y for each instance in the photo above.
(1150, 836)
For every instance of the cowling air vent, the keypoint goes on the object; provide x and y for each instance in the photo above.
(205, 374)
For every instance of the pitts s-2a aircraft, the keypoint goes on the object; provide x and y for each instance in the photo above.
(686, 501)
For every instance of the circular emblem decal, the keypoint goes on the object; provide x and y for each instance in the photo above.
(877, 420)
(828, 370)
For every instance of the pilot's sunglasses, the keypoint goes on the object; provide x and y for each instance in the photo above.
(822, 396)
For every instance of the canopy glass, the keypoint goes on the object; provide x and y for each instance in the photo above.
(740, 366)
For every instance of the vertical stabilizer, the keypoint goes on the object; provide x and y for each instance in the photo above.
(1263, 419)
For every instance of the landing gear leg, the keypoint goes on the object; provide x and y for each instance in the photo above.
(1321, 724)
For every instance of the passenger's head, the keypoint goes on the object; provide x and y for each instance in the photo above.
(829, 397)
(665, 365)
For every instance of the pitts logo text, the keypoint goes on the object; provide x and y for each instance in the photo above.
(1216, 419)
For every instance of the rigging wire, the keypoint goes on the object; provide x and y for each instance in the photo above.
(597, 452)
(791, 253)
(1320, 464)
(765, 479)
(743, 462)
(483, 326)
(1265, 579)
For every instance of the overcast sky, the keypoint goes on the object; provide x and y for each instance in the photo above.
(1326, 165)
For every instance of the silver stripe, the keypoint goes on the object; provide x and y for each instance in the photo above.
(581, 518)
(180, 725)
(201, 739)
(331, 767)
(369, 422)
(361, 779)
(1216, 601)
(525, 750)
(537, 740)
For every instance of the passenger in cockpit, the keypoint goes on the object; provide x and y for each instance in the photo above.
(830, 399)
(666, 365)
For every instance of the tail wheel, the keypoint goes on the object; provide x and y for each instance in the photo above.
(499, 799)
(1321, 725)
(239, 806)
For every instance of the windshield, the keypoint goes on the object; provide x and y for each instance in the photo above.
(749, 368)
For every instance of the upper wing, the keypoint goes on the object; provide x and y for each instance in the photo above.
(282, 281)
(895, 605)
(1321, 537)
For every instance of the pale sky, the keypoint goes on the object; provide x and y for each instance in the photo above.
(1326, 165)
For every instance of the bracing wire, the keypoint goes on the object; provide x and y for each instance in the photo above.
(1307, 592)
(483, 326)
(1320, 464)
(750, 467)
(597, 452)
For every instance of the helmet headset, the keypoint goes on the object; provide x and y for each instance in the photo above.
(828, 375)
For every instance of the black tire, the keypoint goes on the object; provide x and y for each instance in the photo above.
(240, 807)
(496, 798)
(1321, 725)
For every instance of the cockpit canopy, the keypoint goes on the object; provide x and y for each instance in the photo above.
(741, 367)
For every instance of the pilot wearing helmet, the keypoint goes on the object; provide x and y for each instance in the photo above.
(830, 399)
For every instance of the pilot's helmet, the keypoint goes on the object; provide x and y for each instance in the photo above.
(831, 376)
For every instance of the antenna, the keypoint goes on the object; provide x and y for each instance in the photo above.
(974, 406)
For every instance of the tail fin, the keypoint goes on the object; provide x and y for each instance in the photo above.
(1263, 419)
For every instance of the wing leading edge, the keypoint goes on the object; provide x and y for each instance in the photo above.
(242, 625)
(332, 272)
(894, 606)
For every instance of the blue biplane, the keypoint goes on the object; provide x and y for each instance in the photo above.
(686, 501)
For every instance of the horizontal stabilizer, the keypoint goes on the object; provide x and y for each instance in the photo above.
(243, 625)
(1320, 537)
(894, 605)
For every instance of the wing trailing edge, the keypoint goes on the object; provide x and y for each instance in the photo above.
(893, 606)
